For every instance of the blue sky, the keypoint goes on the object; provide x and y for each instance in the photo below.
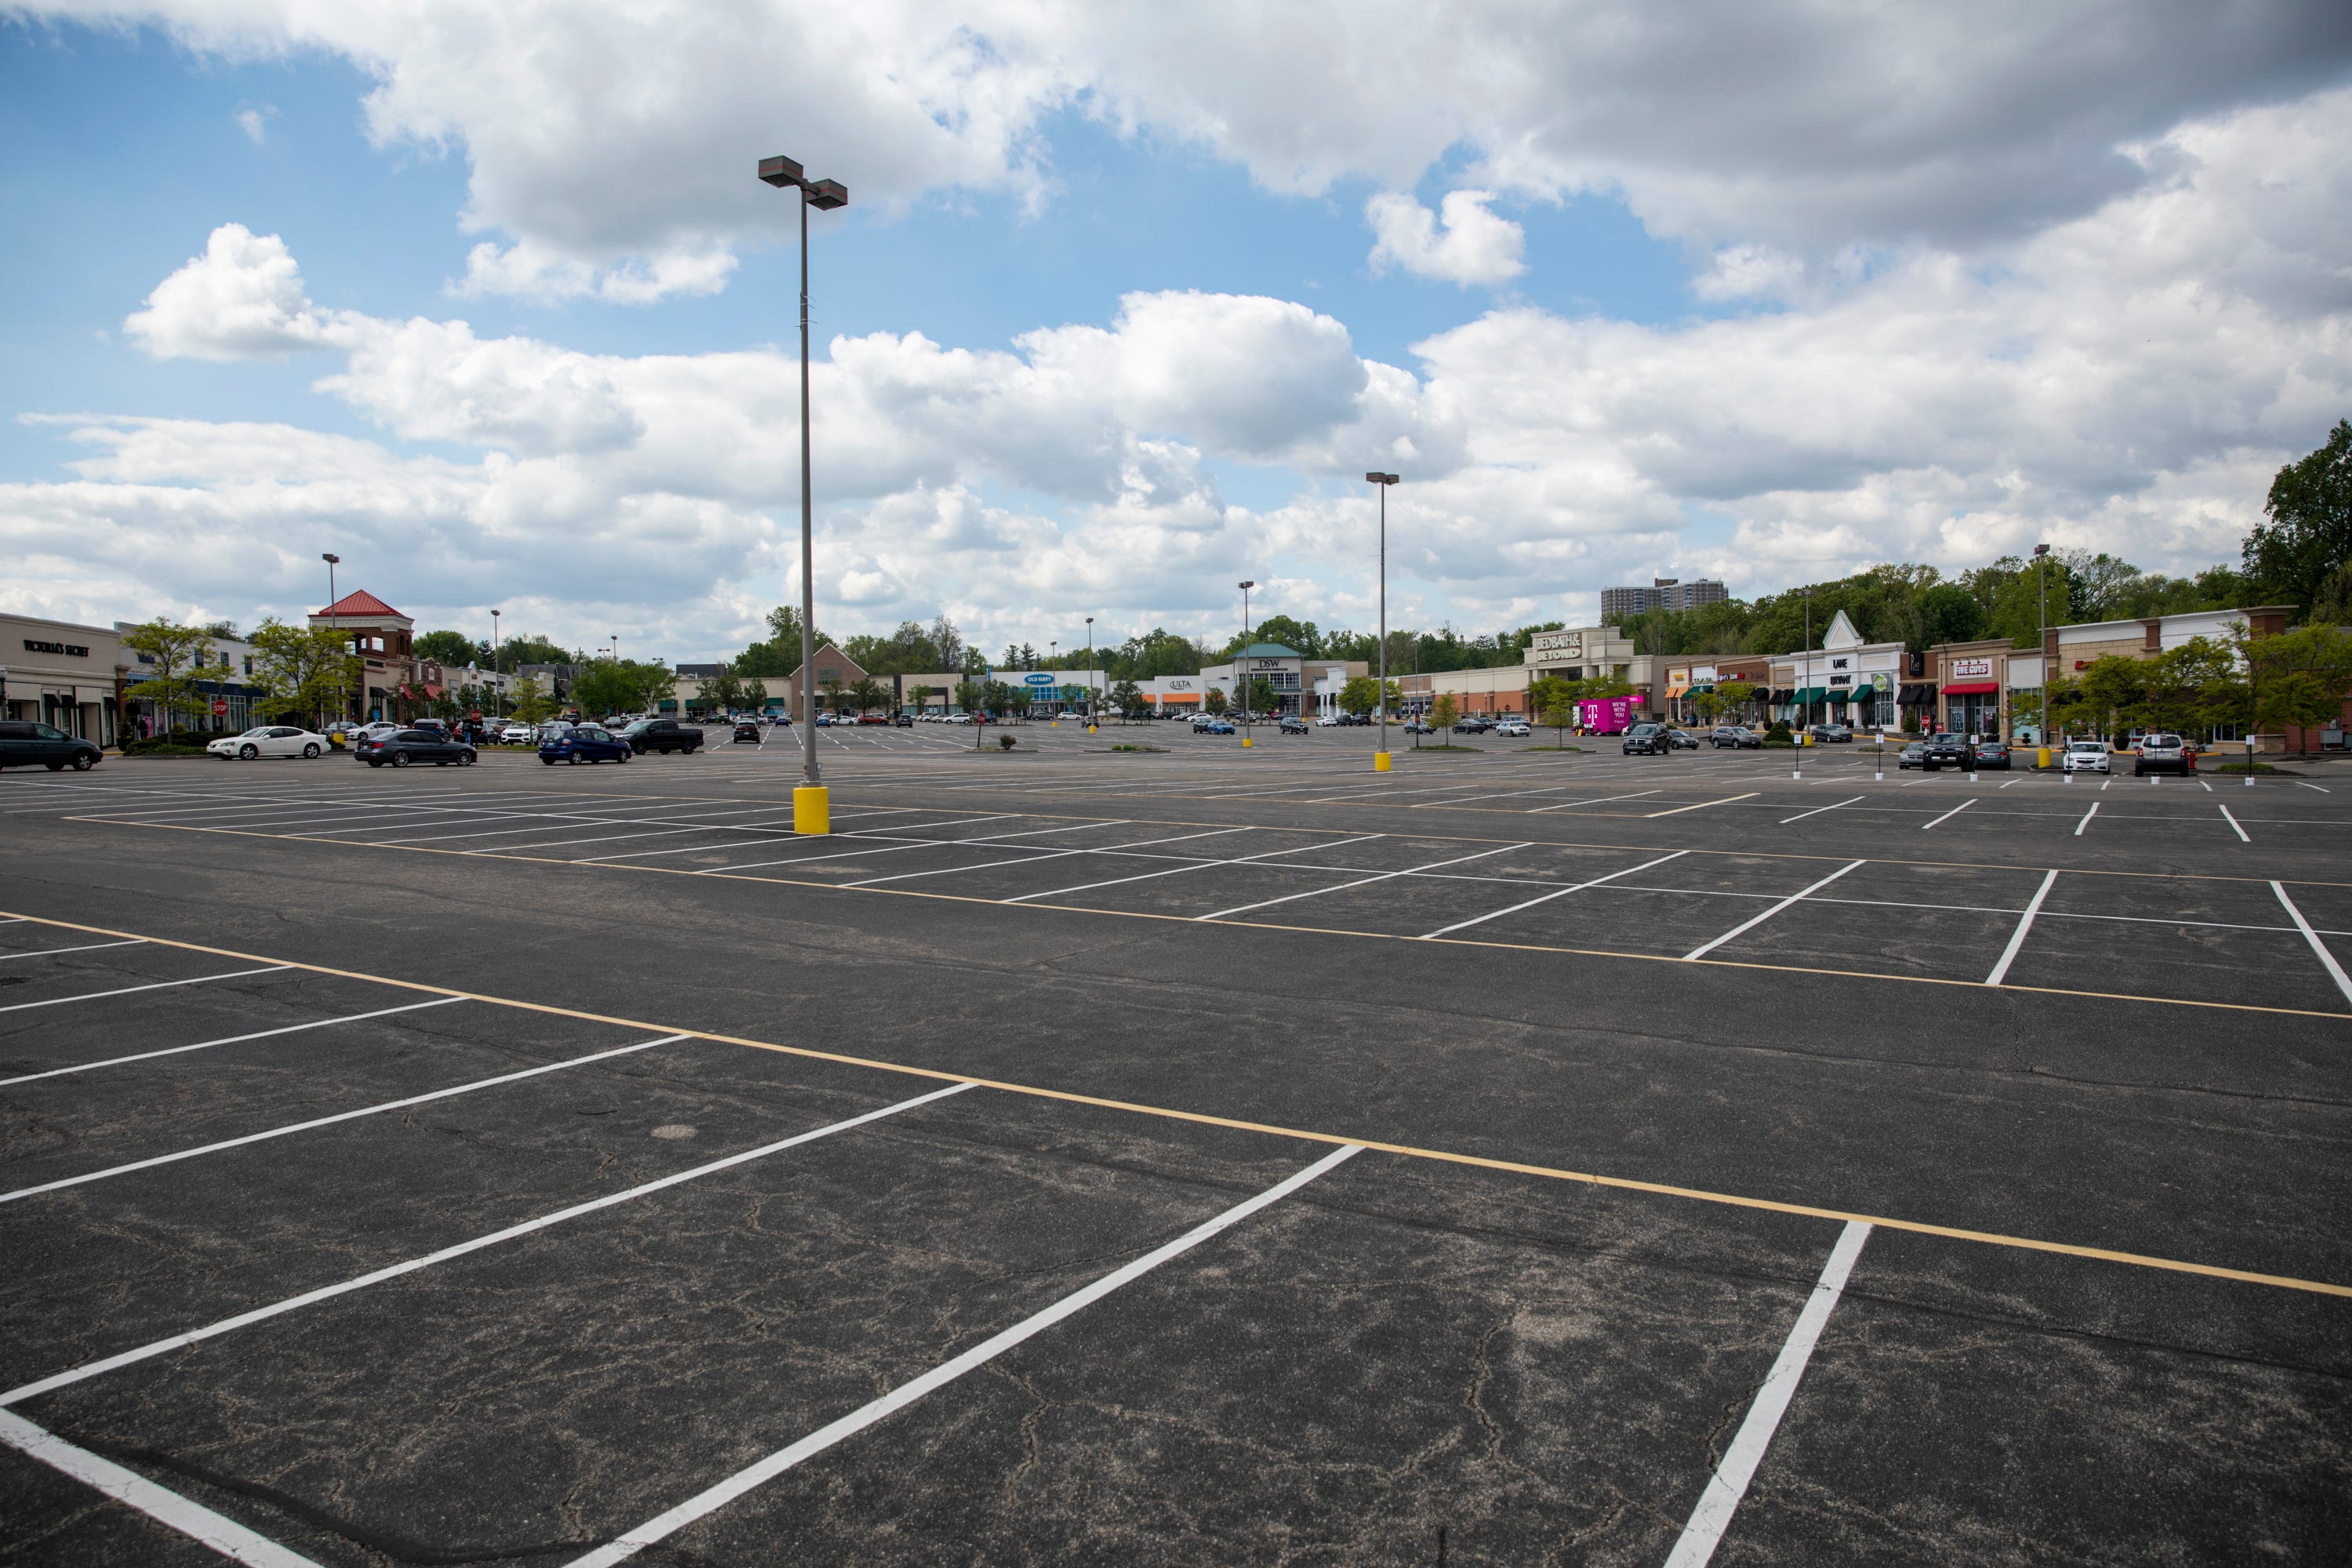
(1714, 333)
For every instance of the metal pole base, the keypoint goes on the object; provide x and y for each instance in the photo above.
(1381, 764)
(812, 810)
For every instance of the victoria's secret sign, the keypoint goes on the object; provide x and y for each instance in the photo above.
(34, 644)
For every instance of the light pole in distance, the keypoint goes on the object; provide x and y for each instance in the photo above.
(811, 810)
(1246, 586)
(2041, 568)
(334, 622)
(1381, 756)
(1090, 674)
(498, 691)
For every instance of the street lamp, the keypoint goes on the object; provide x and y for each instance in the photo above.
(811, 812)
(1246, 586)
(333, 623)
(1806, 694)
(1381, 756)
(1053, 652)
(497, 691)
(1090, 674)
(2041, 570)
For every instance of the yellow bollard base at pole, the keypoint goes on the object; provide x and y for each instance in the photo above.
(1245, 739)
(812, 810)
(1380, 762)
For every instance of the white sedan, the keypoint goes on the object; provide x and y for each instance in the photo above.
(2085, 756)
(269, 740)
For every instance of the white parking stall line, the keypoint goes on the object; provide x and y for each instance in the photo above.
(2327, 959)
(555, 822)
(2086, 819)
(1358, 882)
(1950, 814)
(780, 825)
(164, 1346)
(1701, 805)
(2234, 827)
(1563, 806)
(1818, 809)
(885, 846)
(1478, 920)
(2024, 924)
(157, 985)
(1039, 857)
(1505, 795)
(294, 1127)
(2201, 783)
(85, 947)
(1751, 923)
(1195, 866)
(1724, 1489)
(2299, 783)
(131, 1489)
(709, 1501)
(228, 1040)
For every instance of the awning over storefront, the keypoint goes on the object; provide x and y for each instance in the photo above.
(1916, 694)
(1972, 689)
(1808, 694)
(1780, 694)
(1840, 694)
(1674, 691)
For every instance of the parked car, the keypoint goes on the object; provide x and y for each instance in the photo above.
(1829, 733)
(585, 743)
(1472, 725)
(1419, 727)
(1914, 755)
(23, 741)
(269, 740)
(516, 734)
(2084, 757)
(662, 735)
(1737, 736)
(747, 730)
(1681, 740)
(1210, 724)
(1647, 739)
(1327, 722)
(403, 747)
(1292, 725)
(1513, 727)
(903, 721)
(1946, 750)
(1990, 754)
(2161, 753)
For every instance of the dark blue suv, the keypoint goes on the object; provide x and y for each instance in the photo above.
(583, 743)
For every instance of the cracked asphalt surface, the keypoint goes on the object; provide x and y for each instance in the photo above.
(667, 1259)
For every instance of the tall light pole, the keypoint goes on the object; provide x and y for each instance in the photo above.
(1090, 674)
(1246, 586)
(1053, 655)
(1380, 757)
(334, 622)
(2042, 565)
(811, 810)
(497, 691)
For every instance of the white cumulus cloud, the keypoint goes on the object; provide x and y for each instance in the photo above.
(242, 299)
(1467, 245)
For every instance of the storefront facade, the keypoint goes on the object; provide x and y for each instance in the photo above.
(1844, 681)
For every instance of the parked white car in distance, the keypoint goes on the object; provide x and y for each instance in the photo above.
(2085, 756)
(269, 740)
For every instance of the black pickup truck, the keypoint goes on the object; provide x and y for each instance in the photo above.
(662, 735)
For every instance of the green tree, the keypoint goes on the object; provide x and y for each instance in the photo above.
(530, 702)
(755, 695)
(1214, 702)
(2300, 553)
(1737, 696)
(966, 694)
(305, 670)
(1301, 635)
(831, 684)
(1128, 698)
(1360, 695)
(1445, 713)
(529, 647)
(1262, 699)
(722, 692)
(453, 648)
(867, 694)
(174, 656)
(2299, 678)
(1558, 713)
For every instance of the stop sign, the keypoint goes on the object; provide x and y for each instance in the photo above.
(220, 707)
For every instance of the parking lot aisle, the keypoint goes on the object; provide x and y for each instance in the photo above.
(712, 1499)
(1555, 893)
(1360, 883)
(1255, 861)
(162, 1051)
(892, 836)
(1756, 920)
(1033, 854)
(1893, 918)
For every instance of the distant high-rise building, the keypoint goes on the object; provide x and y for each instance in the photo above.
(1618, 604)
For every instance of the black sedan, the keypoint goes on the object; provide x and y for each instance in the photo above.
(403, 747)
(1945, 750)
(747, 730)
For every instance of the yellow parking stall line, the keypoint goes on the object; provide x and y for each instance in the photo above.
(1408, 1151)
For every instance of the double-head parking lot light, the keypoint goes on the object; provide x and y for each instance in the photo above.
(810, 811)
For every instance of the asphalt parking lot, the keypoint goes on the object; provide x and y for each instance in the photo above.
(1188, 1155)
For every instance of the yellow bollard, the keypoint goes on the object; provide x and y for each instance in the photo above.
(1245, 739)
(2043, 758)
(812, 810)
(1380, 762)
